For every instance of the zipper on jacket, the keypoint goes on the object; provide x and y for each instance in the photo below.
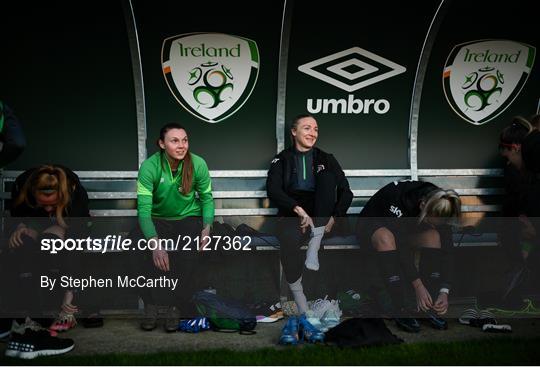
(304, 164)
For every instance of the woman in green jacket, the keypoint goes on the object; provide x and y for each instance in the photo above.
(174, 198)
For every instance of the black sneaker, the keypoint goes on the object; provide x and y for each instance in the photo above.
(408, 324)
(33, 344)
(485, 317)
(172, 319)
(149, 322)
(436, 322)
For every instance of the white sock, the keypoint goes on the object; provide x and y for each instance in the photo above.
(312, 254)
(299, 296)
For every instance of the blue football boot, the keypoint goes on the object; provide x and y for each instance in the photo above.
(289, 333)
(194, 325)
(309, 332)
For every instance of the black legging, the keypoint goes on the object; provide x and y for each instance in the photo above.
(22, 268)
(182, 264)
(320, 206)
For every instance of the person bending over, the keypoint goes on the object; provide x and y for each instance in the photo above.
(43, 200)
(394, 241)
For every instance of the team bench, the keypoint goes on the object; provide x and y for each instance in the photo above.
(240, 197)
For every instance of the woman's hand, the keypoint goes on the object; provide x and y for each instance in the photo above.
(160, 257)
(441, 304)
(15, 240)
(67, 303)
(329, 225)
(205, 237)
(423, 299)
(305, 219)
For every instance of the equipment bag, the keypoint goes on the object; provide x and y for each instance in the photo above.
(225, 315)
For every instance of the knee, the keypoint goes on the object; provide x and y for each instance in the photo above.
(55, 230)
(28, 247)
(429, 239)
(296, 286)
(383, 240)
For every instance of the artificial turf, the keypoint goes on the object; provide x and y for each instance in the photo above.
(500, 351)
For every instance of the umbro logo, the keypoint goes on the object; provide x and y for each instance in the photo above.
(352, 69)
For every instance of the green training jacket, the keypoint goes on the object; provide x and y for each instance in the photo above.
(158, 194)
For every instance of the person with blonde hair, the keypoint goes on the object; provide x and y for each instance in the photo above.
(51, 191)
(43, 200)
(394, 240)
(48, 190)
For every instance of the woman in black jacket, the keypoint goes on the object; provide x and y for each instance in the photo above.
(306, 184)
(518, 235)
(394, 240)
(521, 186)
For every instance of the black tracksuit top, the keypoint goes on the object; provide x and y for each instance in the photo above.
(398, 199)
(279, 184)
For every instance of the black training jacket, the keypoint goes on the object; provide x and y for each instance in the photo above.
(522, 187)
(398, 199)
(279, 181)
